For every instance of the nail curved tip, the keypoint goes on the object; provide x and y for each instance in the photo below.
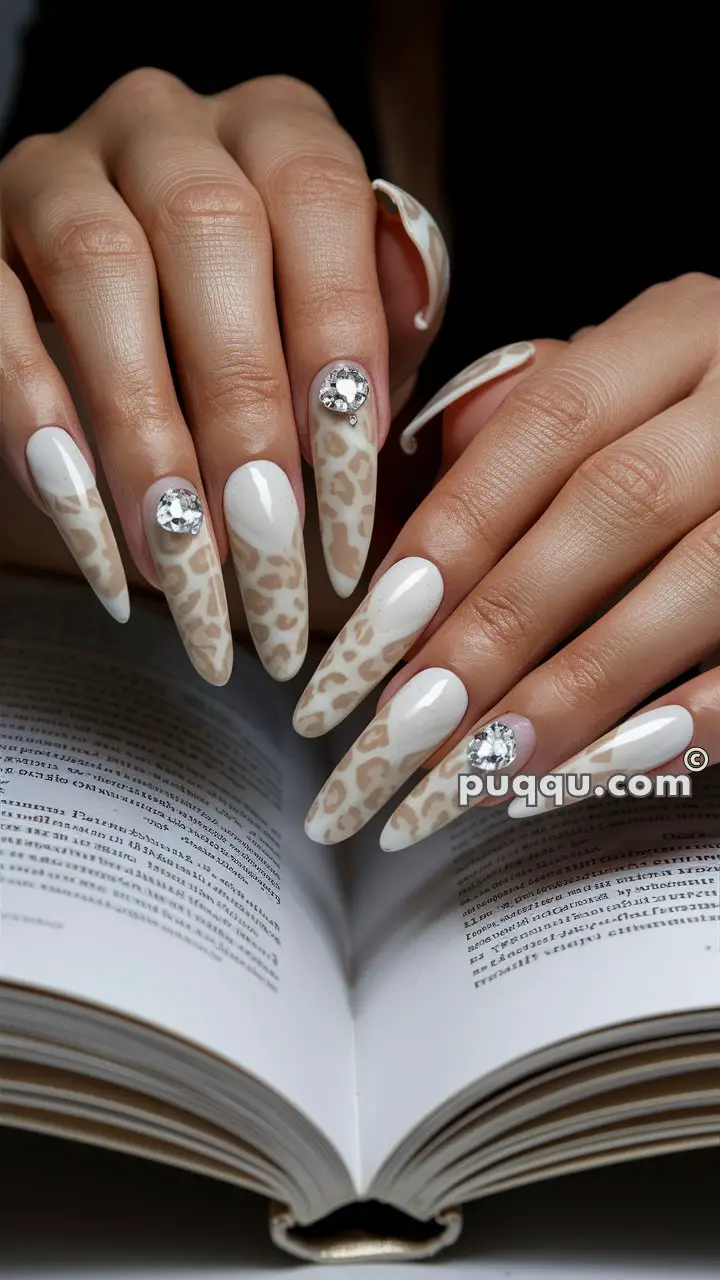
(118, 607)
(390, 842)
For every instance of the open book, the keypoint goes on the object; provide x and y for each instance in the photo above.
(185, 976)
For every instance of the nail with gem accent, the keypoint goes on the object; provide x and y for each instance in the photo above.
(184, 553)
(502, 746)
(70, 496)
(427, 237)
(644, 742)
(494, 365)
(376, 637)
(343, 438)
(263, 524)
(410, 726)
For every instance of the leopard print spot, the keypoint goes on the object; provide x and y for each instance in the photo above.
(344, 557)
(364, 631)
(405, 815)
(376, 735)
(393, 652)
(201, 561)
(334, 444)
(343, 701)
(342, 488)
(334, 796)
(372, 772)
(370, 670)
(255, 602)
(260, 632)
(312, 726)
(270, 582)
(285, 621)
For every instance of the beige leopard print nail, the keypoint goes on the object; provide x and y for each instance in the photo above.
(402, 735)
(188, 568)
(377, 636)
(644, 742)
(263, 524)
(344, 454)
(486, 369)
(427, 237)
(433, 803)
(69, 492)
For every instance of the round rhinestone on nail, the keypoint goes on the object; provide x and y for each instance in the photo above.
(492, 747)
(180, 511)
(344, 390)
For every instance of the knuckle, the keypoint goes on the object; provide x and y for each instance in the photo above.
(703, 548)
(341, 316)
(328, 184)
(83, 245)
(32, 150)
(141, 404)
(580, 677)
(559, 410)
(623, 484)
(213, 202)
(284, 90)
(463, 509)
(150, 85)
(504, 619)
(244, 385)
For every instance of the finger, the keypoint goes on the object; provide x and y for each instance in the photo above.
(647, 357)
(618, 513)
(321, 210)
(93, 267)
(45, 449)
(663, 627)
(469, 413)
(211, 244)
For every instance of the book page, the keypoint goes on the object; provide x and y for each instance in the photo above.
(152, 855)
(498, 938)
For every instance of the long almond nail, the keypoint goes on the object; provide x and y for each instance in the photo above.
(263, 524)
(377, 636)
(411, 725)
(502, 746)
(185, 556)
(70, 494)
(486, 369)
(427, 237)
(642, 743)
(343, 437)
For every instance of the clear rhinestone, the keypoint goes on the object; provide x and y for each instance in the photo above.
(492, 747)
(180, 511)
(344, 390)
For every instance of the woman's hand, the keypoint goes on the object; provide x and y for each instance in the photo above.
(209, 261)
(599, 464)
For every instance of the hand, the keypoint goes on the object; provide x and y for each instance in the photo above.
(600, 462)
(234, 239)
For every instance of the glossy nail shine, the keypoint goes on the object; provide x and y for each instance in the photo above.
(265, 533)
(71, 498)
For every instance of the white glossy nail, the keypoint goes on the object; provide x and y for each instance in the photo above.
(263, 524)
(70, 494)
(377, 636)
(409, 727)
(427, 237)
(487, 369)
(643, 743)
(342, 416)
(185, 556)
(434, 802)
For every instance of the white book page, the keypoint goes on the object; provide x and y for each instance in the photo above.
(152, 854)
(497, 938)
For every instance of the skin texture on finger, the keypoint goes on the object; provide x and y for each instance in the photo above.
(321, 211)
(619, 512)
(92, 264)
(211, 244)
